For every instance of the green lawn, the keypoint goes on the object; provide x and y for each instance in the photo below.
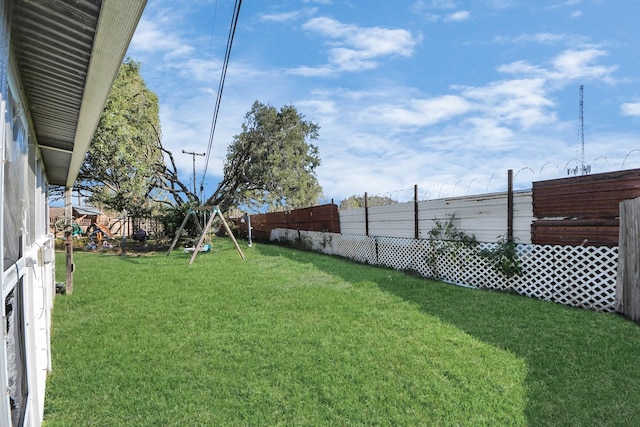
(295, 338)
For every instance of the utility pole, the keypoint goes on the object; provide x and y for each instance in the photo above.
(193, 154)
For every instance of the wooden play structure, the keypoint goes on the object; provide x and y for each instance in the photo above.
(199, 246)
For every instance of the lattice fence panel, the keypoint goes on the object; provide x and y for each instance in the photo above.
(396, 253)
(583, 277)
(539, 267)
(357, 248)
(572, 275)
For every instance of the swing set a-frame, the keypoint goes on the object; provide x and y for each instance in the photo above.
(215, 210)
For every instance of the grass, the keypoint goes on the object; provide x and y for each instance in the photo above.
(295, 338)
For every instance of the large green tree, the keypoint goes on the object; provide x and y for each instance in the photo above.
(120, 167)
(125, 166)
(272, 162)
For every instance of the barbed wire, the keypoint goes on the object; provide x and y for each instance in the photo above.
(522, 180)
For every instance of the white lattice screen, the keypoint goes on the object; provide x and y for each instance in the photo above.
(572, 275)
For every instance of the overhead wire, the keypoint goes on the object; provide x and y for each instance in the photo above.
(223, 75)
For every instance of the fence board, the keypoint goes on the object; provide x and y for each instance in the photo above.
(396, 220)
(594, 232)
(628, 279)
(484, 216)
(352, 221)
(588, 196)
(583, 209)
(316, 218)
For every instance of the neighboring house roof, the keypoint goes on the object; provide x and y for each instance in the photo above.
(67, 56)
(87, 210)
(56, 212)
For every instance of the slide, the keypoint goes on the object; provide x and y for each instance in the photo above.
(105, 230)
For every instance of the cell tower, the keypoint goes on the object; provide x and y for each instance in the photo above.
(582, 169)
(581, 124)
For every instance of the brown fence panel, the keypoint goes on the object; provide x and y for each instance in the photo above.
(582, 209)
(588, 196)
(316, 218)
(597, 232)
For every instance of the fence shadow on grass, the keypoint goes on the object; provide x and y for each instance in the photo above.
(582, 365)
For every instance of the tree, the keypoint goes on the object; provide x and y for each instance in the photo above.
(120, 167)
(355, 202)
(271, 162)
(125, 166)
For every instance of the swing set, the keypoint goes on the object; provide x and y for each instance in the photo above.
(215, 210)
(200, 246)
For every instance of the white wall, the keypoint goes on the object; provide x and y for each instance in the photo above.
(28, 271)
(484, 216)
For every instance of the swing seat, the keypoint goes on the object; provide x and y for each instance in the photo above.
(205, 248)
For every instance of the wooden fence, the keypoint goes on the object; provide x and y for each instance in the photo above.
(577, 211)
(582, 210)
(316, 218)
(628, 280)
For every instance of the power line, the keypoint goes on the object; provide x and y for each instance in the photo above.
(223, 75)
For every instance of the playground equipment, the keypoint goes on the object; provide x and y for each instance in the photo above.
(181, 229)
(199, 246)
(205, 248)
(62, 224)
(105, 230)
(99, 236)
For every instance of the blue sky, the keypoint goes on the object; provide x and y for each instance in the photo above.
(444, 94)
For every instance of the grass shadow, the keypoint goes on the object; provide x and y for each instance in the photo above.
(581, 365)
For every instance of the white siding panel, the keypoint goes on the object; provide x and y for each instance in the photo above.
(392, 220)
(484, 216)
(352, 221)
(522, 217)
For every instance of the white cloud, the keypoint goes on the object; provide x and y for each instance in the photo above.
(357, 48)
(578, 64)
(200, 69)
(501, 4)
(150, 38)
(431, 11)
(418, 112)
(459, 16)
(569, 65)
(630, 109)
(421, 7)
(566, 3)
(543, 38)
(325, 111)
(489, 133)
(305, 71)
(289, 16)
(520, 102)
(443, 4)
(522, 67)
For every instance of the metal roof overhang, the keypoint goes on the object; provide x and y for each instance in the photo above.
(67, 55)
